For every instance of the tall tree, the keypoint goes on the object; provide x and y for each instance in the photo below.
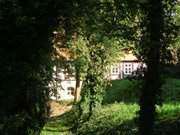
(152, 76)
(25, 68)
(156, 36)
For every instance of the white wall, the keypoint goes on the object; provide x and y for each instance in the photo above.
(60, 84)
(62, 92)
(63, 83)
(122, 69)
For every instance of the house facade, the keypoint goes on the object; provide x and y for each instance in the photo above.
(64, 84)
(129, 65)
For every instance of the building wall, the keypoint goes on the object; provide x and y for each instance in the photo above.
(65, 91)
(65, 87)
(123, 69)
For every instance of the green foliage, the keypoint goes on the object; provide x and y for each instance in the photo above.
(174, 47)
(122, 91)
(114, 119)
(109, 119)
(79, 48)
(95, 82)
(129, 91)
(103, 26)
(171, 90)
(168, 110)
(170, 32)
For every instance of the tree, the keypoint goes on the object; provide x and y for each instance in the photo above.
(25, 67)
(157, 35)
(81, 58)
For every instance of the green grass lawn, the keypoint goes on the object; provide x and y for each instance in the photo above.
(110, 118)
(118, 115)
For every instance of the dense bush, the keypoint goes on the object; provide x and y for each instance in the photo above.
(171, 90)
(129, 91)
(171, 71)
(123, 90)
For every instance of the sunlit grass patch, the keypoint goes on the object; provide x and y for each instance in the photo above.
(108, 119)
(168, 110)
(59, 125)
(111, 119)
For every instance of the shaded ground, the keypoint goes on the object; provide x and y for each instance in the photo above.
(169, 126)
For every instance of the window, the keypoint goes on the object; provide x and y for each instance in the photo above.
(128, 69)
(115, 69)
(70, 91)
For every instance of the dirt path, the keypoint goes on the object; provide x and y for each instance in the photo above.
(57, 109)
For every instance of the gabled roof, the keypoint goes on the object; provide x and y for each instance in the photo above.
(129, 57)
(68, 55)
(64, 53)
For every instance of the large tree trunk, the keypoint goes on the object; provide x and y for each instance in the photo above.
(151, 86)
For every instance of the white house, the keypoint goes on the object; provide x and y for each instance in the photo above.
(64, 84)
(129, 65)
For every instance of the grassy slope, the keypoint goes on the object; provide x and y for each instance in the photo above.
(110, 119)
(118, 115)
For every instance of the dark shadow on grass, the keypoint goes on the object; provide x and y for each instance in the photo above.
(60, 123)
(168, 126)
